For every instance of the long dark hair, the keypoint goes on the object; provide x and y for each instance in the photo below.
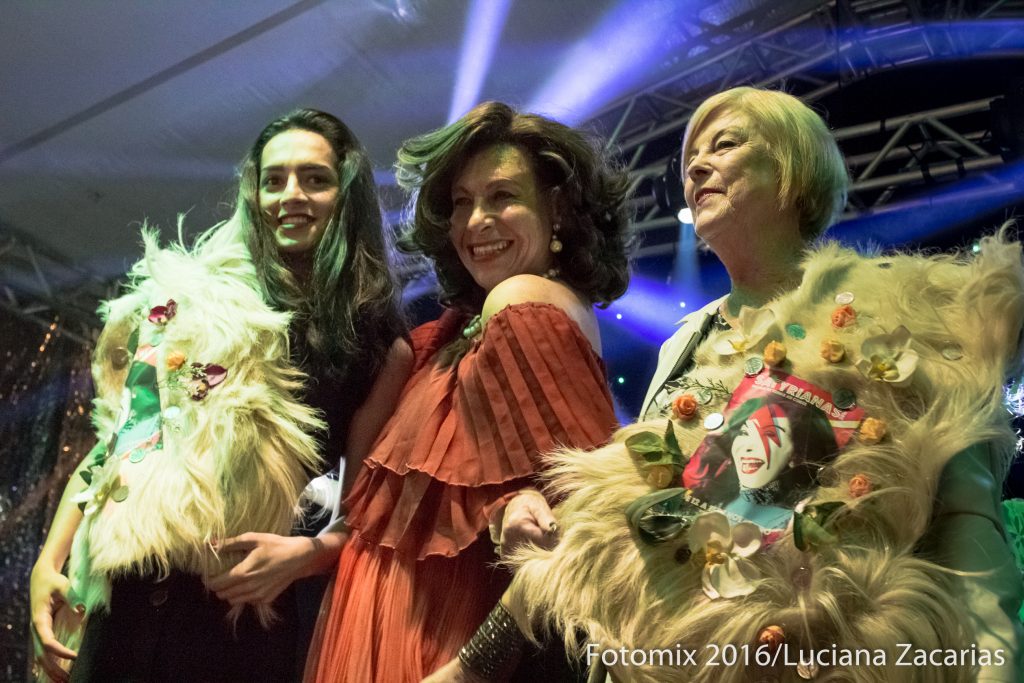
(712, 476)
(588, 191)
(349, 310)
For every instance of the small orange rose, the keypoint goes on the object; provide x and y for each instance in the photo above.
(659, 476)
(175, 359)
(773, 636)
(775, 353)
(684, 407)
(833, 350)
(872, 430)
(843, 316)
(860, 485)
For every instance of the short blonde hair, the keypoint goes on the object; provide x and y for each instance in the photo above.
(811, 169)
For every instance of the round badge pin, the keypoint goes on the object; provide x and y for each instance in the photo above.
(845, 399)
(119, 357)
(138, 455)
(952, 351)
(843, 298)
(796, 331)
(704, 397)
(753, 366)
(120, 494)
(807, 670)
(714, 421)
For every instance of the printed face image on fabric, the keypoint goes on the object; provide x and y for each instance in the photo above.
(763, 447)
(779, 431)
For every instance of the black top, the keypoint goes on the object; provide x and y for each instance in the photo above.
(337, 394)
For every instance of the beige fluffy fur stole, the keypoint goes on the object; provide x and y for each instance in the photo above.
(233, 462)
(868, 591)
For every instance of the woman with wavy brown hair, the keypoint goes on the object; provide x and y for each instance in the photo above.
(526, 225)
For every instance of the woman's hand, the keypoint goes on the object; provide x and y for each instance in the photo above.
(454, 672)
(49, 591)
(271, 564)
(527, 519)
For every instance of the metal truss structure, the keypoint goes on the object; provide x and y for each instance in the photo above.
(42, 288)
(809, 48)
(812, 50)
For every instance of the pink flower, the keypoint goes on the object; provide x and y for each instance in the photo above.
(860, 485)
(684, 407)
(843, 316)
(772, 636)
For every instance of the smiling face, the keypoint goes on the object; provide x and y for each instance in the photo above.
(500, 224)
(298, 188)
(763, 448)
(729, 180)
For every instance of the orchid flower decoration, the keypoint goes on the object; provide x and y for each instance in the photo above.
(161, 315)
(728, 571)
(101, 480)
(197, 379)
(888, 357)
(751, 327)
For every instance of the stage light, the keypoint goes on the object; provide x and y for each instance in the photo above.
(617, 57)
(484, 24)
(685, 216)
(650, 309)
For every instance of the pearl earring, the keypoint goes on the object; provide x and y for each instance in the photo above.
(556, 244)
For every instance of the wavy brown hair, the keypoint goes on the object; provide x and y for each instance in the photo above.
(349, 311)
(588, 193)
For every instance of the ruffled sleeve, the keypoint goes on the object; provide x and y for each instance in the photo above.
(466, 435)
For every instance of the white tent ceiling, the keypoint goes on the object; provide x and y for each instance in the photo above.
(112, 112)
(117, 111)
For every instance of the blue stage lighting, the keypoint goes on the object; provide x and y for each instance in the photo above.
(618, 56)
(484, 24)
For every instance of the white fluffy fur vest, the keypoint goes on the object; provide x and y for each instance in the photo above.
(233, 462)
(870, 589)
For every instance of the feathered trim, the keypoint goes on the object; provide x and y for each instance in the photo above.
(233, 462)
(869, 591)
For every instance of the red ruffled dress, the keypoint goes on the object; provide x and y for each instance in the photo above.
(418, 575)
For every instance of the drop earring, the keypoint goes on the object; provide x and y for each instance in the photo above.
(556, 244)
